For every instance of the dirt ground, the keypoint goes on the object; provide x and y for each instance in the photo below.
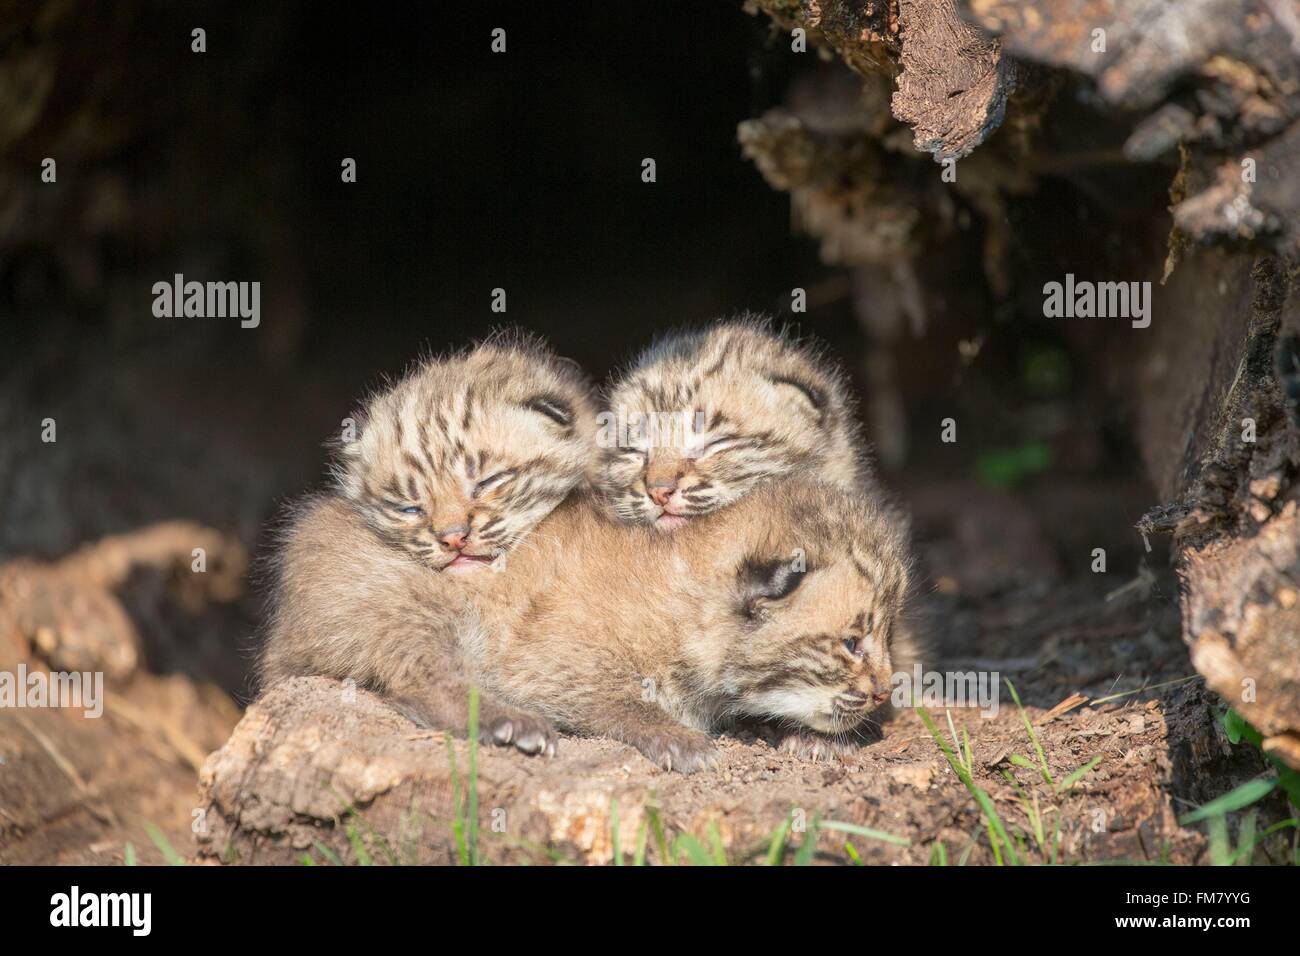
(76, 790)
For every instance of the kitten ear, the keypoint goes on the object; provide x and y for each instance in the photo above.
(810, 393)
(553, 407)
(762, 581)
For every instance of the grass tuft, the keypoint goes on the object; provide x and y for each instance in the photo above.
(164, 846)
(998, 838)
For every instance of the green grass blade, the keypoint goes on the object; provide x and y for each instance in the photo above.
(1078, 775)
(1237, 799)
(981, 798)
(804, 855)
(993, 843)
(164, 846)
(966, 851)
(457, 818)
(1238, 729)
(867, 832)
(1038, 748)
(1258, 838)
(657, 828)
(694, 849)
(613, 832)
(938, 854)
(715, 841)
(326, 852)
(1218, 831)
(358, 847)
(1246, 839)
(1036, 821)
(642, 839)
(307, 860)
(852, 851)
(128, 855)
(776, 847)
(471, 812)
(956, 740)
(348, 811)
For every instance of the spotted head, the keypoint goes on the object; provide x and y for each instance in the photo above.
(461, 458)
(814, 620)
(703, 417)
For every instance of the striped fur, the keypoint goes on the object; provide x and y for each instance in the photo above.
(488, 440)
(788, 607)
(491, 439)
(752, 403)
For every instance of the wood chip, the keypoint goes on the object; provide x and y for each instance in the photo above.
(1064, 707)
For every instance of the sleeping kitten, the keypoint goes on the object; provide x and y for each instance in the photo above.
(460, 459)
(449, 471)
(702, 417)
(788, 608)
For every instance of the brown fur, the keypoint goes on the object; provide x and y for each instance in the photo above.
(702, 417)
(482, 443)
(600, 629)
(486, 441)
(657, 640)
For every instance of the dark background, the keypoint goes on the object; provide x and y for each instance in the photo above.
(475, 171)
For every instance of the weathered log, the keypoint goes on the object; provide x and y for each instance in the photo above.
(81, 778)
(952, 80)
(1226, 97)
(317, 769)
(955, 81)
(1220, 79)
(1220, 438)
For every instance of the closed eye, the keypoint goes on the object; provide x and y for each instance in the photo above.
(413, 510)
(492, 481)
(715, 446)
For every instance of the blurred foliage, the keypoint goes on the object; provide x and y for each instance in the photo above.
(1005, 467)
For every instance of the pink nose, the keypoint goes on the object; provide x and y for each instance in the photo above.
(453, 539)
(660, 494)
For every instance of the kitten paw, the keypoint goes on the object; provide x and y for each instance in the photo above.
(808, 745)
(683, 750)
(528, 733)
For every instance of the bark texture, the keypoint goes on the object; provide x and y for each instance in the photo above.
(1220, 435)
(317, 770)
(1205, 93)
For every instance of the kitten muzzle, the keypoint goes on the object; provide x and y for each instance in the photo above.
(469, 563)
(670, 522)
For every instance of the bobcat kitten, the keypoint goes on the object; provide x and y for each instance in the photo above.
(787, 607)
(450, 469)
(702, 417)
(459, 460)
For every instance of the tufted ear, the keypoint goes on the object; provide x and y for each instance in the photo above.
(552, 407)
(762, 581)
